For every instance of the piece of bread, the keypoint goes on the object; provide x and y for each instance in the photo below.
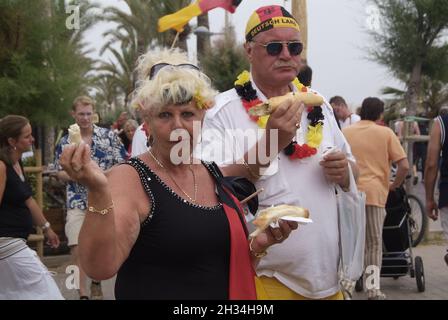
(273, 214)
(74, 134)
(266, 108)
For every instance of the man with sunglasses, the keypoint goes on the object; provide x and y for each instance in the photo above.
(306, 265)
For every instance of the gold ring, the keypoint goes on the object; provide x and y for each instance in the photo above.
(297, 125)
(279, 238)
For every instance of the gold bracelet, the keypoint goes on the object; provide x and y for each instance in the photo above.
(257, 255)
(103, 211)
(246, 165)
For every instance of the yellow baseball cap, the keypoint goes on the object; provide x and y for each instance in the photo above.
(269, 17)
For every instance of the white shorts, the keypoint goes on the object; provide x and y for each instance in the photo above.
(24, 277)
(73, 224)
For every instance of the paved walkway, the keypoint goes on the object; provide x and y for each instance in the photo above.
(436, 273)
(436, 276)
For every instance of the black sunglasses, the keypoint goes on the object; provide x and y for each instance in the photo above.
(275, 48)
(157, 67)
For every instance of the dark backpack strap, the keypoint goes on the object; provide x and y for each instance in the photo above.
(225, 190)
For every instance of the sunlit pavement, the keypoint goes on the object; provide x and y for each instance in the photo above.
(436, 274)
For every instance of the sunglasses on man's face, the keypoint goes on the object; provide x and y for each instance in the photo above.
(276, 47)
(159, 66)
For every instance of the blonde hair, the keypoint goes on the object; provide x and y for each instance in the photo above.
(83, 101)
(171, 85)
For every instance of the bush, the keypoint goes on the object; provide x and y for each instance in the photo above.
(223, 62)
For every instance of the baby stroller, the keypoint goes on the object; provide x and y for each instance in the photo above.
(398, 260)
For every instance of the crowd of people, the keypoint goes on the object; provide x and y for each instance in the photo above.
(182, 233)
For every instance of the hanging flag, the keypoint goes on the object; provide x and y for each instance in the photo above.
(179, 19)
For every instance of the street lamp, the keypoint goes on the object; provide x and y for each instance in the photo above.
(204, 31)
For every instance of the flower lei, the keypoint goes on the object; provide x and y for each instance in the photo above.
(249, 98)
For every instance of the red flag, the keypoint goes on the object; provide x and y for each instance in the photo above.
(229, 5)
(180, 18)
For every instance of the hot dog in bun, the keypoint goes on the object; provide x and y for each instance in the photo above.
(273, 214)
(268, 107)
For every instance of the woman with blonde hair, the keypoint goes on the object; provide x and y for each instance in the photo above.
(180, 233)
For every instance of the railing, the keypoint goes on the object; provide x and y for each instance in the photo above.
(408, 142)
(38, 237)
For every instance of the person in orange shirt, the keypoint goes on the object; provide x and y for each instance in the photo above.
(375, 148)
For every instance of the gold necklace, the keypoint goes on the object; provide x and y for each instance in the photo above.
(193, 200)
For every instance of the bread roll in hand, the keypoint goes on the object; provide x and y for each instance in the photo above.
(268, 107)
(273, 214)
(74, 134)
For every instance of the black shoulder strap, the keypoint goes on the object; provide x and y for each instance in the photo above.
(224, 189)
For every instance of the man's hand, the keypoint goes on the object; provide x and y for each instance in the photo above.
(432, 209)
(335, 166)
(286, 119)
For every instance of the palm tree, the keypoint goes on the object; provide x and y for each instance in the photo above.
(107, 94)
(121, 69)
(410, 40)
(143, 19)
(203, 41)
(434, 95)
(136, 32)
(132, 27)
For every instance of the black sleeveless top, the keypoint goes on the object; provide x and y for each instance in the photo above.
(443, 187)
(15, 217)
(182, 251)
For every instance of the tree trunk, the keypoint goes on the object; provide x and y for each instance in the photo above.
(299, 11)
(203, 40)
(50, 137)
(126, 98)
(182, 43)
(413, 91)
(411, 103)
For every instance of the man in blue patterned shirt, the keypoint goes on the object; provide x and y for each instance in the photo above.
(106, 150)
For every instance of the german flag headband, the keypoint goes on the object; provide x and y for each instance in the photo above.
(269, 17)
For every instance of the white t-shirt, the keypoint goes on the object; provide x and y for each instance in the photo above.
(139, 142)
(306, 262)
(353, 118)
